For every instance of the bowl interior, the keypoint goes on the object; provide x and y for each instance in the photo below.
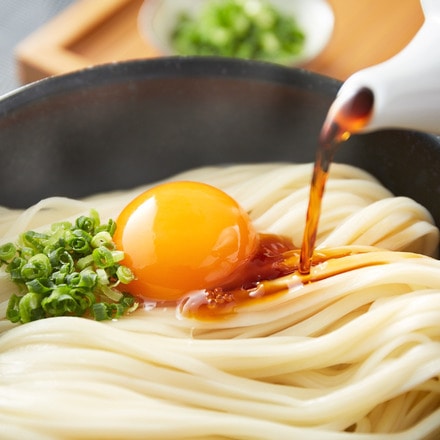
(122, 125)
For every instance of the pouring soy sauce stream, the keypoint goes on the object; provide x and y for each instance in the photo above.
(352, 116)
(402, 92)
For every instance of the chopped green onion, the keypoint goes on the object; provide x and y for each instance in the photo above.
(102, 238)
(30, 307)
(61, 257)
(71, 270)
(252, 29)
(41, 286)
(34, 240)
(86, 224)
(37, 266)
(100, 312)
(84, 297)
(14, 268)
(110, 227)
(84, 262)
(7, 252)
(60, 302)
(125, 274)
(102, 277)
(112, 294)
(79, 241)
(12, 311)
(103, 257)
(103, 311)
(117, 256)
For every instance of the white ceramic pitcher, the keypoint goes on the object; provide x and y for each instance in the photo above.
(406, 88)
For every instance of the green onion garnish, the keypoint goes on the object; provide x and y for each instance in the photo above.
(71, 270)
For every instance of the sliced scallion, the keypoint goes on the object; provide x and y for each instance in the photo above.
(72, 270)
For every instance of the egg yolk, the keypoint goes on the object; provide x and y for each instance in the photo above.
(183, 236)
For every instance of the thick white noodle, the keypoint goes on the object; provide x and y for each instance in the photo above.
(354, 355)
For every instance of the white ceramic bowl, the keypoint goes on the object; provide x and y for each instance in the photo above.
(157, 19)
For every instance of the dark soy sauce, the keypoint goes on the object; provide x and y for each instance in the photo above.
(263, 279)
(342, 120)
(276, 257)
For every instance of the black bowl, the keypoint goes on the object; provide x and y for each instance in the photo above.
(121, 125)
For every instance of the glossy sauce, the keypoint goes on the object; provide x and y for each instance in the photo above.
(225, 301)
(342, 121)
(275, 257)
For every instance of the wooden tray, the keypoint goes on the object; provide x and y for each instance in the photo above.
(92, 32)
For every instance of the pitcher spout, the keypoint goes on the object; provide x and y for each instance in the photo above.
(405, 89)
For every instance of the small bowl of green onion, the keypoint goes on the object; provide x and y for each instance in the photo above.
(288, 32)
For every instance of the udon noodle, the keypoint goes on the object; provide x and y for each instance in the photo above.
(354, 354)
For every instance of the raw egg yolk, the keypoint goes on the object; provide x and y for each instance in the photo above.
(183, 236)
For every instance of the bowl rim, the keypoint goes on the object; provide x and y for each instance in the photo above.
(171, 66)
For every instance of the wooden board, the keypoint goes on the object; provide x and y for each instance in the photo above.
(92, 32)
